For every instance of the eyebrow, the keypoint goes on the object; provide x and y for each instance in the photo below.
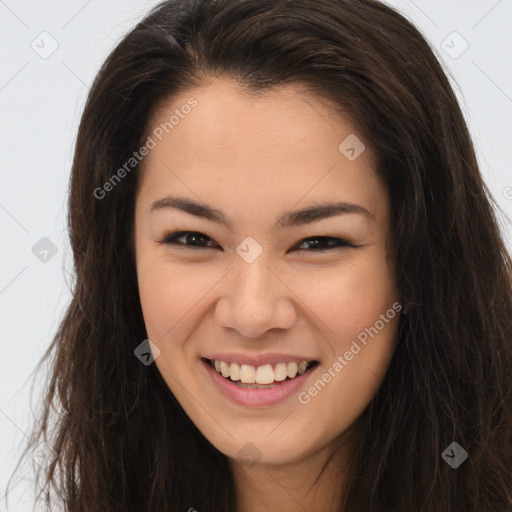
(292, 218)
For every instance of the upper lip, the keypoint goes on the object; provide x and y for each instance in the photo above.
(258, 360)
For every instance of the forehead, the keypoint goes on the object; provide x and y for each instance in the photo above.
(276, 147)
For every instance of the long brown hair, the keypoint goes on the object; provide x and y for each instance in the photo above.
(123, 441)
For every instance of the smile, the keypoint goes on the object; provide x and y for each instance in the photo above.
(258, 385)
(260, 375)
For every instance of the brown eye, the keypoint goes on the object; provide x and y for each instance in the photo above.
(187, 240)
(323, 243)
(197, 240)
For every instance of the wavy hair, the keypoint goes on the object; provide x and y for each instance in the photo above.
(122, 440)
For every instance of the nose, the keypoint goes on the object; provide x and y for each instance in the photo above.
(255, 299)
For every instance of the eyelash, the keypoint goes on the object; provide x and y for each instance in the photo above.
(171, 239)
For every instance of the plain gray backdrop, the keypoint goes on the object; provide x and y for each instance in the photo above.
(49, 54)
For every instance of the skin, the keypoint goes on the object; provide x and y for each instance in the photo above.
(254, 159)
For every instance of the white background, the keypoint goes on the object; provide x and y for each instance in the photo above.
(41, 101)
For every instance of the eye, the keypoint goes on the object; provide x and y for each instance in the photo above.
(323, 243)
(197, 240)
(194, 238)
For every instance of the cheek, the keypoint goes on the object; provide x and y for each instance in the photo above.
(170, 295)
(344, 300)
(355, 305)
(159, 294)
(170, 298)
(351, 378)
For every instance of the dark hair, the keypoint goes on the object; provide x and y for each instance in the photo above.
(123, 441)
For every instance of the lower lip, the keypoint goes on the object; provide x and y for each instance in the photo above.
(257, 397)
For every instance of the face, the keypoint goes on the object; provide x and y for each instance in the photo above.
(240, 260)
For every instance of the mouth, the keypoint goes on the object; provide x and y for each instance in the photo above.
(260, 377)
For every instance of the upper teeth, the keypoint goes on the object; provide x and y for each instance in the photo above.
(264, 374)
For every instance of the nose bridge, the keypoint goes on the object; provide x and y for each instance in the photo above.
(255, 299)
(254, 279)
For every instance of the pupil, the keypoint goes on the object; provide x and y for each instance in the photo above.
(195, 238)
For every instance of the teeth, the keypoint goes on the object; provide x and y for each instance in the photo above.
(291, 370)
(302, 367)
(280, 372)
(265, 374)
(224, 368)
(255, 386)
(234, 371)
(247, 374)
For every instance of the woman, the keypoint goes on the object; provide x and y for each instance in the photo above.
(291, 290)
